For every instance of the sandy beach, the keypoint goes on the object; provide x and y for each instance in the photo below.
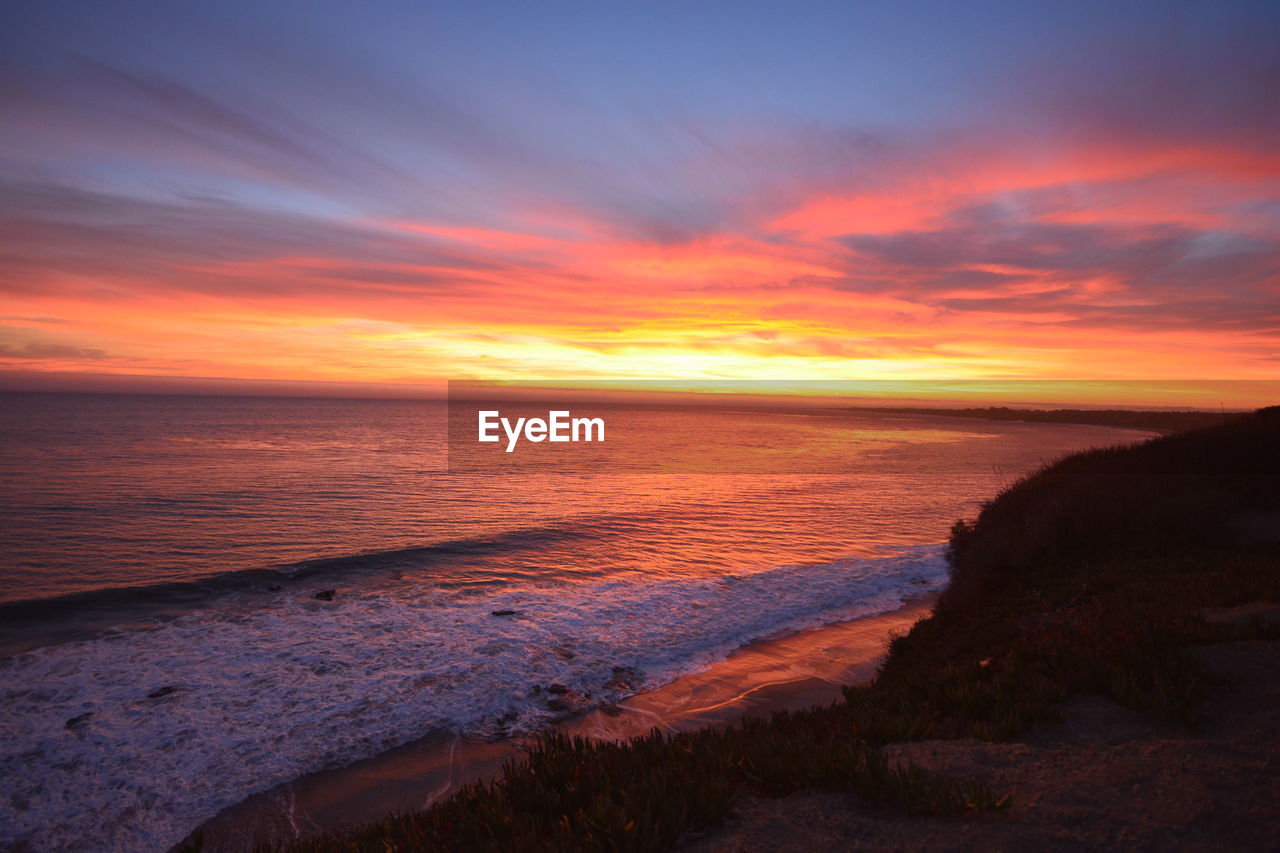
(782, 673)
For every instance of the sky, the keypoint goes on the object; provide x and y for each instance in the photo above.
(386, 195)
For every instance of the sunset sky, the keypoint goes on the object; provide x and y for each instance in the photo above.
(398, 193)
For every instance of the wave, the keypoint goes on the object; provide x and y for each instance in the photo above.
(30, 623)
(128, 741)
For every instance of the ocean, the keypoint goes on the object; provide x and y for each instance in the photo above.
(169, 641)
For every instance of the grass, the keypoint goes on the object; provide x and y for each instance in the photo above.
(575, 794)
(1090, 575)
(990, 673)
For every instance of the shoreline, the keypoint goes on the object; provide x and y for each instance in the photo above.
(789, 672)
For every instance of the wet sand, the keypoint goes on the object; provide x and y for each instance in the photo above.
(790, 672)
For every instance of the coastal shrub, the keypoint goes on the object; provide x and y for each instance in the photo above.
(644, 795)
(1177, 492)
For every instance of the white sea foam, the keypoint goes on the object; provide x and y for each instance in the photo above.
(260, 697)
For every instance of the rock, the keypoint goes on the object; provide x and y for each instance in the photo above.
(564, 700)
(326, 594)
(625, 679)
(506, 612)
(76, 722)
(275, 587)
(161, 692)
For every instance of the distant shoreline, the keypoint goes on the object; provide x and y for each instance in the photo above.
(1157, 421)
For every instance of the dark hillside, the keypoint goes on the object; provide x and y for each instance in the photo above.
(1208, 488)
